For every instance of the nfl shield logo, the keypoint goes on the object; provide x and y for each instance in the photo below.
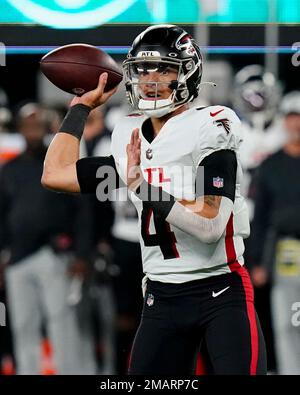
(150, 300)
(218, 182)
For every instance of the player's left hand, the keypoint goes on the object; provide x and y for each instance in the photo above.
(133, 149)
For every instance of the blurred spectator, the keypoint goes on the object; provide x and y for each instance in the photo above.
(100, 289)
(128, 288)
(6, 349)
(127, 258)
(54, 116)
(8, 149)
(11, 144)
(5, 119)
(256, 98)
(44, 236)
(276, 235)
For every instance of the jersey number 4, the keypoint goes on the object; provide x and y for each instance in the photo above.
(164, 237)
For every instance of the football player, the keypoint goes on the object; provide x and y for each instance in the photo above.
(256, 98)
(181, 166)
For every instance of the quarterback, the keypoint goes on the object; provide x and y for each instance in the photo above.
(182, 170)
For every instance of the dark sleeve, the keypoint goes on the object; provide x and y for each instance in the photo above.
(219, 175)
(88, 178)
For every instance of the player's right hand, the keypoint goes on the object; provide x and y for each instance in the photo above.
(96, 97)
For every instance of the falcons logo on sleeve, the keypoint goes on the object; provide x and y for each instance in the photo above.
(225, 123)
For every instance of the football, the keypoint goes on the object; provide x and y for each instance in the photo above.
(76, 68)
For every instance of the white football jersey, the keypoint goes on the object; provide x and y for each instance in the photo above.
(171, 161)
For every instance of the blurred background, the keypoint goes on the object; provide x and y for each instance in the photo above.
(70, 268)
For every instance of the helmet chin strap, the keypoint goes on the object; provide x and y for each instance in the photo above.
(156, 111)
(159, 108)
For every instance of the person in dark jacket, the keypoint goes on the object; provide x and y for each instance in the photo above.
(45, 239)
(276, 237)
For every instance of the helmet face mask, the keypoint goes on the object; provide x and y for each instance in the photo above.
(145, 95)
(161, 49)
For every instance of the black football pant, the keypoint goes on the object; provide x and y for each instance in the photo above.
(176, 318)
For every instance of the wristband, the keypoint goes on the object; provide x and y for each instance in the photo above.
(74, 120)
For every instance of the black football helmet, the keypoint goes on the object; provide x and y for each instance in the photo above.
(257, 93)
(157, 48)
